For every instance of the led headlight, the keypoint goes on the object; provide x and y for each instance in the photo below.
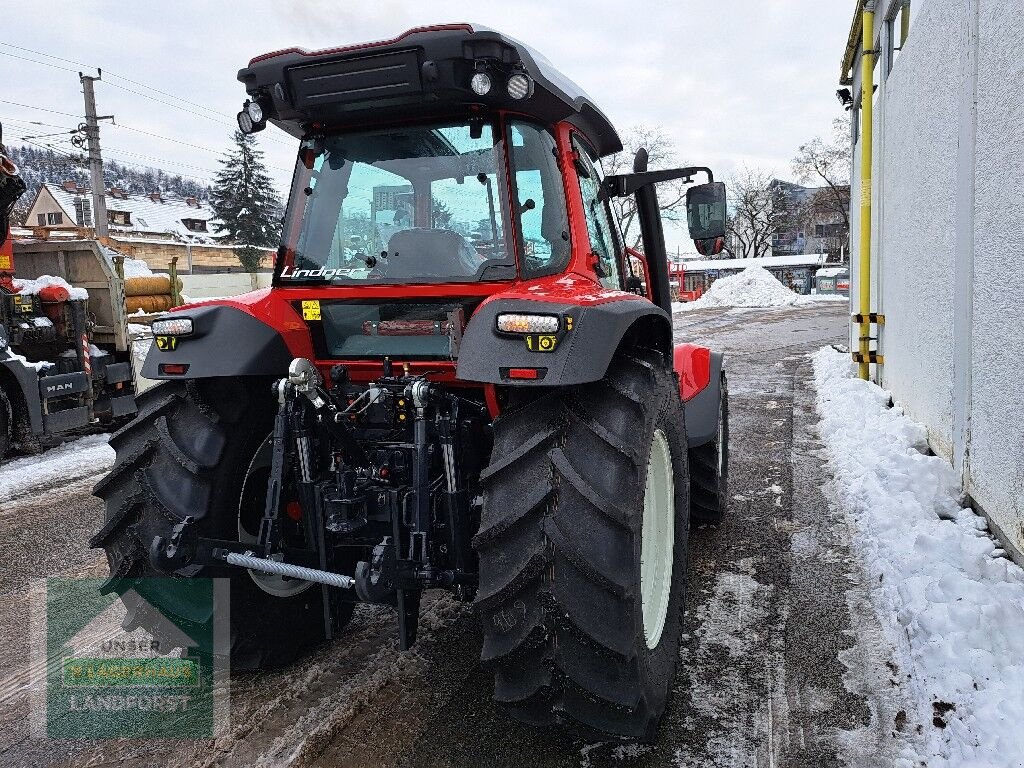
(519, 86)
(255, 111)
(177, 326)
(517, 323)
(480, 83)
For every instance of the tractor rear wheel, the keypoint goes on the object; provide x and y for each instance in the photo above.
(583, 551)
(195, 449)
(6, 425)
(709, 470)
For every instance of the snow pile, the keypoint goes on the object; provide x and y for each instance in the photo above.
(136, 268)
(953, 606)
(74, 460)
(27, 286)
(132, 267)
(755, 286)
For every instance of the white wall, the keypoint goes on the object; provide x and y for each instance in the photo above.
(225, 284)
(949, 216)
(996, 448)
(915, 243)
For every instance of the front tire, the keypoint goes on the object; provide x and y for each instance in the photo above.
(580, 606)
(188, 452)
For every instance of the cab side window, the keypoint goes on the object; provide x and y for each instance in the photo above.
(603, 243)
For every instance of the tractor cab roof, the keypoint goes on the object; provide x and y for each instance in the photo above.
(423, 73)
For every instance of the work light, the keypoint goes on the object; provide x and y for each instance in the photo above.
(177, 326)
(480, 83)
(509, 322)
(244, 122)
(255, 111)
(519, 86)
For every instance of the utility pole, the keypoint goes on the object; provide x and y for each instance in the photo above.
(92, 134)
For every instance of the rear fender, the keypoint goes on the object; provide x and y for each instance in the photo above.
(700, 388)
(589, 335)
(226, 341)
(21, 385)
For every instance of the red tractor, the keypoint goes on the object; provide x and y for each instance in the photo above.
(454, 383)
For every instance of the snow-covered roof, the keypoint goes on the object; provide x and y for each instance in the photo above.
(799, 260)
(146, 215)
(832, 272)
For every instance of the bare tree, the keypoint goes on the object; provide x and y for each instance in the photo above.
(828, 164)
(661, 153)
(754, 216)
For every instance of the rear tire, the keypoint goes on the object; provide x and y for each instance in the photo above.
(709, 470)
(6, 425)
(187, 452)
(562, 587)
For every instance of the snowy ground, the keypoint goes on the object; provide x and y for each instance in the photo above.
(753, 287)
(822, 624)
(75, 459)
(952, 603)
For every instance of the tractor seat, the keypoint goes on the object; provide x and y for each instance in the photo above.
(422, 252)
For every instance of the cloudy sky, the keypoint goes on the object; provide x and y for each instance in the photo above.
(734, 82)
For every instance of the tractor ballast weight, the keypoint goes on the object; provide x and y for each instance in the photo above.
(455, 382)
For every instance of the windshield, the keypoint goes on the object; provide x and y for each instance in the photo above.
(410, 204)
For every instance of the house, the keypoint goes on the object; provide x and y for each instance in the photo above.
(156, 215)
(937, 186)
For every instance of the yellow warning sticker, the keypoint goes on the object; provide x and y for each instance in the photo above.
(541, 343)
(311, 310)
(166, 343)
(5, 261)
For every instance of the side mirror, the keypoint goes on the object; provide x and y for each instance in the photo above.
(706, 214)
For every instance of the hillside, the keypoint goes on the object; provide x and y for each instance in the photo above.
(39, 165)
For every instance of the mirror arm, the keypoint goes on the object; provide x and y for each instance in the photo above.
(624, 185)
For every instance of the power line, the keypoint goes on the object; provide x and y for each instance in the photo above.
(41, 109)
(34, 61)
(33, 123)
(137, 93)
(115, 74)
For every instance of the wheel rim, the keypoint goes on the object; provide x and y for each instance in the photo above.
(278, 586)
(658, 539)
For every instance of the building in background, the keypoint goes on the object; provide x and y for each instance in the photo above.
(807, 220)
(155, 227)
(945, 187)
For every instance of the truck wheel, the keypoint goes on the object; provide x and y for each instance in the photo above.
(583, 551)
(190, 451)
(709, 470)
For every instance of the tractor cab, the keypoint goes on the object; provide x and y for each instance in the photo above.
(448, 155)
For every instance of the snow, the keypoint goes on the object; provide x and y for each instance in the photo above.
(951, 603)
(136, 268)
(755, 286)
(39, 367)
(832, 271)
(796, 260)
(132, 267)
(71, 461)
(27, 286)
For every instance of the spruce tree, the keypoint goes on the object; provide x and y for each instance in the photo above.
(243, 199)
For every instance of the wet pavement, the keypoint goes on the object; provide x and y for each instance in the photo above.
(782, 661)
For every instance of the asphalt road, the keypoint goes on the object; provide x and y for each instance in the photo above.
(782, 662)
